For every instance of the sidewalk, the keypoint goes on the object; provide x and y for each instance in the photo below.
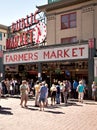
(74, 116)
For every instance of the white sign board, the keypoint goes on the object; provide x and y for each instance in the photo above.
(50, 54)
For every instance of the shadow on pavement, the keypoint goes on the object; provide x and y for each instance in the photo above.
(90, 103)
(31, 99)
(31, 107)
(5, 110)
(64, 105)
(35, 109)
(53, 106)
(71, 104)
(54, 112)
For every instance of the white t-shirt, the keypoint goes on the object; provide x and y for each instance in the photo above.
(93, 87)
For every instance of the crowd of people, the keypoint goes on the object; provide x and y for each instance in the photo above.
(59, 91)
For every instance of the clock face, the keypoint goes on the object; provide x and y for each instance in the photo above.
(39, 33)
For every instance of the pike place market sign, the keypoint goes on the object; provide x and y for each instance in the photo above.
(26, 31)
(52, 54)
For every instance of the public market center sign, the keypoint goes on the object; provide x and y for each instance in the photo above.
(26, 31)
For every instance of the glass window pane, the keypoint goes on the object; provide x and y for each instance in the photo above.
(69, 40)
(0, 36)
(73, 24)
(64, 40)
(65, 25)
(73, 39)
(68, 21)
(64, 22)
(73, 16)
(65, 18)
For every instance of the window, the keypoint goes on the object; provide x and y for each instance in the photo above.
(51, 1)
(68, 21)
(0, 36)
(69, 40)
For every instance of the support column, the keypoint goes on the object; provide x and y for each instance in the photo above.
(92, 52)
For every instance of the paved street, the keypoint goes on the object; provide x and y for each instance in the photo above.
(74, 116)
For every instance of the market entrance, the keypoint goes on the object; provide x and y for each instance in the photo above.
(51, 71)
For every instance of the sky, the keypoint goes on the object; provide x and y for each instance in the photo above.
(13, 10)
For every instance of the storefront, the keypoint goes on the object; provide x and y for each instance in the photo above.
(48, 63)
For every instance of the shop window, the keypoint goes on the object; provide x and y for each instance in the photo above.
(68, 21)
(0, 36)
(69, 40)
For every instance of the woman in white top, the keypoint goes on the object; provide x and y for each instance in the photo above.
(94, 90)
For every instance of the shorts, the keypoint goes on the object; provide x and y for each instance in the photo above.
(41, 100)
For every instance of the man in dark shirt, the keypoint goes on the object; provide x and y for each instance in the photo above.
(75, 84)
(58, 93)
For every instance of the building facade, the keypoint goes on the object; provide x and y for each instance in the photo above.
(3, 37)
(74, 22)
(67, 52)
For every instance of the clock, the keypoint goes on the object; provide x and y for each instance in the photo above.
(39, 33)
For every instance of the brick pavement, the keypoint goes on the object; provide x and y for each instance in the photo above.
(74, 116)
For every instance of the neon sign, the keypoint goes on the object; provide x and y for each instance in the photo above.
(20, 37)
(24, 23)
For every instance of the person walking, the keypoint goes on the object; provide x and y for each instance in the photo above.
(65, 91)
(24, 90)
(37, 88)
(80, 90)
(75, 84)
(46, 102)
(94, 90)
(53, 94)
(42, 97)
(61, 92)
(58, 93)
(7, 83)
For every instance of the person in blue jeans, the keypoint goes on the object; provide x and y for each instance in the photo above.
(58, 93)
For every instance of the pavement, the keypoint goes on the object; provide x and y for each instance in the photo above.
(73, 116)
